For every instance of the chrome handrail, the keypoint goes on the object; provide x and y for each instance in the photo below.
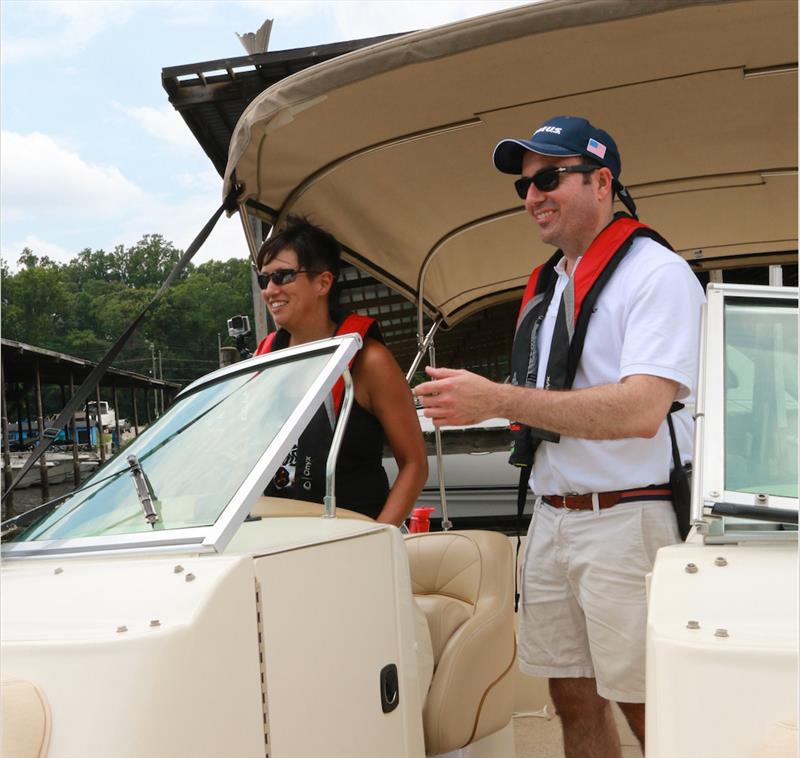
(333, 454)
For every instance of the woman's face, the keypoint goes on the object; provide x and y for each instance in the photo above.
(292, 302)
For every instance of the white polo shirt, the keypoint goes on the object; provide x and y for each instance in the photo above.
(645, 321)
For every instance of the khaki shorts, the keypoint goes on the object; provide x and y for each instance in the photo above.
(583, 607)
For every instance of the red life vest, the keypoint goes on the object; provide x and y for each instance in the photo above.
(351, 324)
(598, 264)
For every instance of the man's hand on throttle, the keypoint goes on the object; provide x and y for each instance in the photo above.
(456, 397)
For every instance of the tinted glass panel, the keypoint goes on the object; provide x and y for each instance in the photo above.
(761, 397)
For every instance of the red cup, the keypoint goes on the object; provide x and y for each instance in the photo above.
(420, 520)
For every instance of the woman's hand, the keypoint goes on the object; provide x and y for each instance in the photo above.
(382, 389)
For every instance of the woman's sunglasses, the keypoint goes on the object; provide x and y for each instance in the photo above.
(282, 276)
(547, 179)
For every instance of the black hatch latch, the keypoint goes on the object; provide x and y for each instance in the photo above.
(390, 688)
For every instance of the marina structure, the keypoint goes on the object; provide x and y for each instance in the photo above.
(28, 373)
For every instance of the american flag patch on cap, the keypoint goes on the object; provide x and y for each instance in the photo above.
(596, 148)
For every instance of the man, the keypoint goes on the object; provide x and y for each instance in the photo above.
(606, 341)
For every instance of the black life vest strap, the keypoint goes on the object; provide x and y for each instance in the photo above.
(522, 496)
(676, 456)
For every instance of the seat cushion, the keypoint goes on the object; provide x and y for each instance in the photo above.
(445, 563)
(444, 615)
(424, 651)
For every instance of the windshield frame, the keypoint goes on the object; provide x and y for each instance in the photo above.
(215, 537)
(709, 481)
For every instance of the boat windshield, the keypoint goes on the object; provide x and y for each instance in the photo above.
(761, 397)
(220, 442)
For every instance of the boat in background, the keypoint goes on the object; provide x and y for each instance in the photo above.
(58, 469)
(108, 417)
(481, 485)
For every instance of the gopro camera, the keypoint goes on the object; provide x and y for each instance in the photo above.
(239, 326)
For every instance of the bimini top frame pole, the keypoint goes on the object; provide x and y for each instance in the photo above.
(427, 343)
(252, 245)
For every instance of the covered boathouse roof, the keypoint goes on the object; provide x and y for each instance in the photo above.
(20, 361)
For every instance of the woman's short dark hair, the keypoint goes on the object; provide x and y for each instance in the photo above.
(316, 249)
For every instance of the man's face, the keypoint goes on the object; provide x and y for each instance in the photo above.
(569, 215)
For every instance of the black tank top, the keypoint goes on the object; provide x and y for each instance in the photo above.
(361, 481)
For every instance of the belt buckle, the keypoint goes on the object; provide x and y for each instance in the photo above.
(564, 502)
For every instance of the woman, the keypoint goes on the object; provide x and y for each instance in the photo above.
(298, 268)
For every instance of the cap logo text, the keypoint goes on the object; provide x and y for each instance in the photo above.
(549, 129)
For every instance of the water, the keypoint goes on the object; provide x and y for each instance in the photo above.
(30, 497)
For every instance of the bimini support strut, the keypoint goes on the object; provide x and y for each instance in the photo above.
(437, 435)
(263, 319)
(252, 245)
(423, 345)
(428, 343)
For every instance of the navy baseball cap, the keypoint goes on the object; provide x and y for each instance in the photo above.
(565, 136)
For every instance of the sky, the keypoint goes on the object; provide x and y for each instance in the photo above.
(91, 152)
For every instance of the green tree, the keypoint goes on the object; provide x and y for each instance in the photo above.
(82, 306)
(38, 305)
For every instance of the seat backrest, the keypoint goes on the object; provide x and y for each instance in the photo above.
(464, 583)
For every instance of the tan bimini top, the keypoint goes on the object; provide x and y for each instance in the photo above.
(389, 147)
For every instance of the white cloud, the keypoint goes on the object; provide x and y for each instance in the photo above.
(65, 27)
(39, 175)
(357, 19)
(200, 181)
(11, 252)
(284, 10)
(44, 184)
(354, 19)
(165, 124)
(176, 220)
(180, 218)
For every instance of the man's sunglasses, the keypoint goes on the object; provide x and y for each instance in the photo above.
(282, 276)
(547, 179)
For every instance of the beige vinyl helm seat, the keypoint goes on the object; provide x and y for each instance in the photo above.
(464, 583)
(24, 720)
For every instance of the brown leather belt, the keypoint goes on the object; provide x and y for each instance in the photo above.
(608, 499)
